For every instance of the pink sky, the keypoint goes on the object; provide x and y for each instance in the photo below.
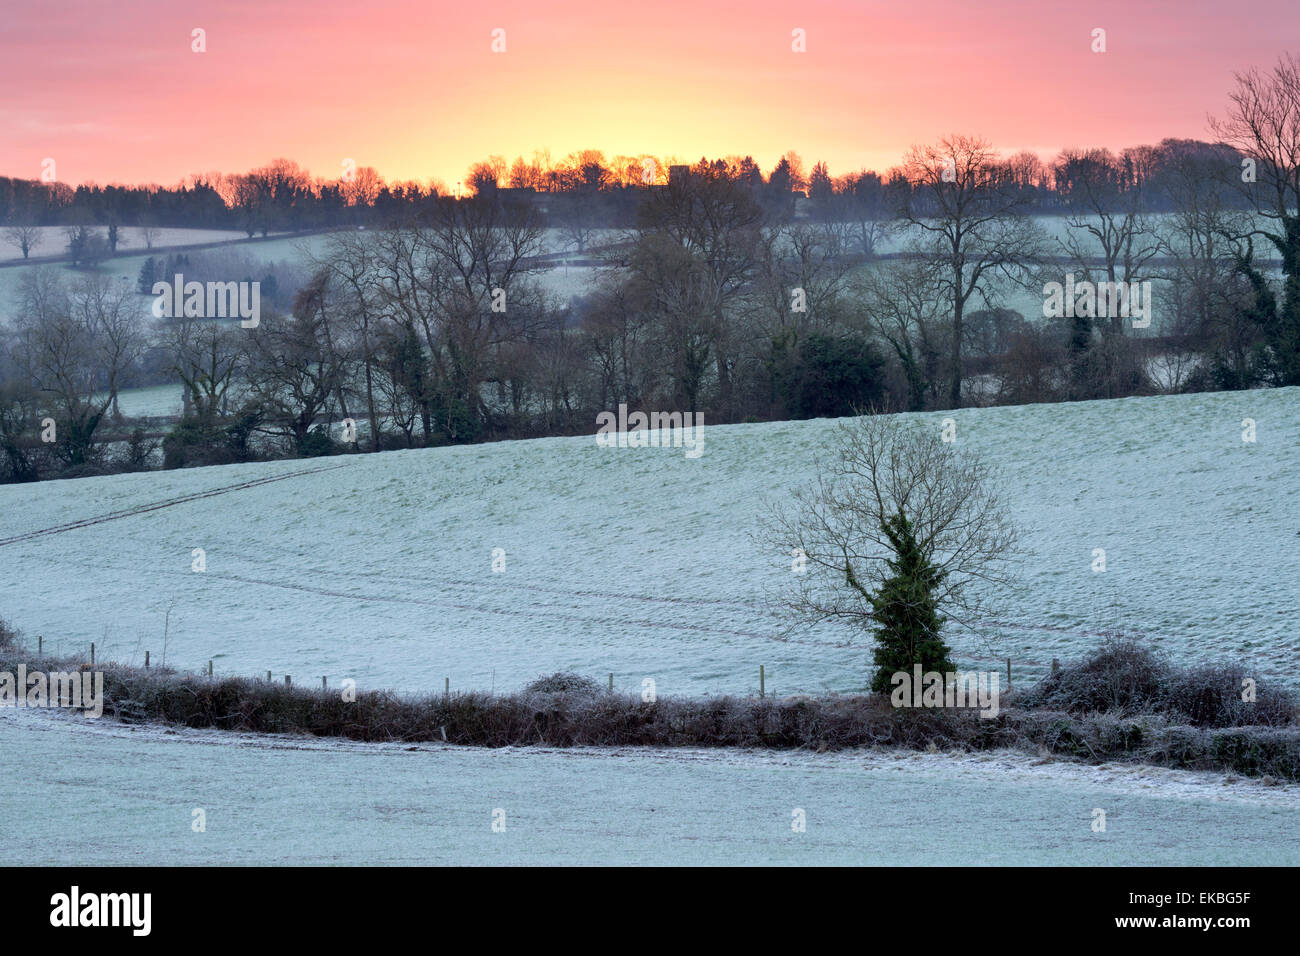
(113, 93)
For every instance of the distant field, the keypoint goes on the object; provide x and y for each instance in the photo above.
(54, 242)
(125, 267)
(153, 401)
(563, 282)
(640, 562)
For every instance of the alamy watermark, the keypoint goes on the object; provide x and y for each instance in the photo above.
(951, 689)
(208, 300)
(1098, 300)
(653, 430)
(75, 690)
(130, 910)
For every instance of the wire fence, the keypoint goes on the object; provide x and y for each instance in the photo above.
(96, 653)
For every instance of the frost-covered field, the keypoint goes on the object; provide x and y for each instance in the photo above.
(53, 240)
(152, 401)
(563, 279)
(640, 562)
(112, 794)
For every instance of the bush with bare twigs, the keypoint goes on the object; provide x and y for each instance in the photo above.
(582, 715)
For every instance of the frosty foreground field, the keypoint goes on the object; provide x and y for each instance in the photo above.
(112, 794)
(640, 562)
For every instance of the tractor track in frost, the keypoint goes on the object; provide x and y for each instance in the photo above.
(721, 603)
(158, 505)
(546, 611)
(424, 602)
(536, 588)
(654, 625)
(564, 592)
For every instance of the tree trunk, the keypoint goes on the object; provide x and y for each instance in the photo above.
(954, 382)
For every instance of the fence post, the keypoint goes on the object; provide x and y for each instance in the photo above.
(1056, 665)
(288, 681)
(1008, 673)
(92, 654)
(40, 644)
(762, 681)
(146, 660)
(611, 682)
(209, 670)
(323, 684)
(268, 677)
(446, 688)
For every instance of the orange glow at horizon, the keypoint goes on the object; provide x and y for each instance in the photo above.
(117, 95)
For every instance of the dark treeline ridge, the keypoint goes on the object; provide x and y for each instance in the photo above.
(723, 292)
(284, 197)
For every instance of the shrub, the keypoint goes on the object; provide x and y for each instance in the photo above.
(566, 710)
(1127, 679)
(196, 440)
(564, 682)
(317, 443)
(1210, 696)
(1123, 677)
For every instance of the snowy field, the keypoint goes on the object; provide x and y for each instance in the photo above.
(125, 267)
(99, 794)
(564, 281)
(53, 240)
(640, 562)
(152, 401)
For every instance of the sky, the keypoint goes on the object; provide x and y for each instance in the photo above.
(114, 93)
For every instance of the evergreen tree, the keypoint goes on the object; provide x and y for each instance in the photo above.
(1276, 359)
(1080, 371)
(148, 276)
(833, 375)
(906, 610)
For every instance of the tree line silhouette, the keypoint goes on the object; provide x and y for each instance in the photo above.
(721, 290)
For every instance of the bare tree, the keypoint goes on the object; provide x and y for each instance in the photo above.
(881, 467)
(803, 275)
(363, 188)
(350, 262)
(1263, 124)
(244, 195)
(109, 309)
(905, 307)
(295, 373)
(149, 233)
(1104, 203)
(25, 238)
(579, 215)
(1103, 198)
(208, 357)
(74, 347)
(695, 253)
(1207, 294)
(458, 283)
(970, 218)
(619, 329)
(861, 204)
(486, 175)
(86, 247)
